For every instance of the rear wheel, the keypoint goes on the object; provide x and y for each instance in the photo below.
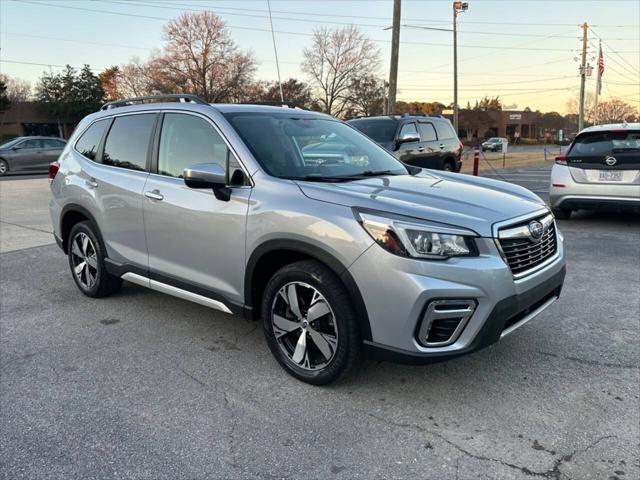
(86, 260)
(561, 213)
(309, 323)
(447, 166)
(4, 167)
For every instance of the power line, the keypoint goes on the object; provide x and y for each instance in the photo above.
(633, 68)
(447, 45)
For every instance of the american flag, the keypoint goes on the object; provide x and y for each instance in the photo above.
(600, 70)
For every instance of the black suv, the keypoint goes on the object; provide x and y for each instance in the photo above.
(416, 139)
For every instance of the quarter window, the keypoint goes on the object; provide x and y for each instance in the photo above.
(88, 142)
(427, 133)
(127, 143)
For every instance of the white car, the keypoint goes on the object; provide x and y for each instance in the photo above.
(601, 169)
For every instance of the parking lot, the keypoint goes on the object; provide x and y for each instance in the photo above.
(143, 385)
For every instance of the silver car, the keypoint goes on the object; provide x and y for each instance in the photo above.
(349, 255)
(601, 169)
(29, 154)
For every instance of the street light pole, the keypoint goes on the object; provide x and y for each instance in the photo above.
(457, 7)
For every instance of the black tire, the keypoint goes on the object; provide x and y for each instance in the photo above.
(561, 213)
(448, 166)
(347, 351)
(4, 167)
(103, 283)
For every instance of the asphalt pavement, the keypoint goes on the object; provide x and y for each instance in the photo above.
(143, 385)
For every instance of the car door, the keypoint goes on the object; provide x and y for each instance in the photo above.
(27, 155)
(115, 181)
(431, 156)
(195, 241)
(409, 152)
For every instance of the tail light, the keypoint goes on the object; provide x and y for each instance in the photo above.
(561, 159)
(53, 170)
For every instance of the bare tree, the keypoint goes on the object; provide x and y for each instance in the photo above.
(134, 79)
(200, 57)
(367, 96)
(573, 106)
(18, 90)
(615, 111)
(336, 58)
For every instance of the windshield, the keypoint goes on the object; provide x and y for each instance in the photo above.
(604, 143)
(311, 148)
(382, 130)
(10, 143)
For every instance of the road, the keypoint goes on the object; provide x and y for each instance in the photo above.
(142, 385)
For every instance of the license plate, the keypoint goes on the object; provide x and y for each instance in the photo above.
(610, 176)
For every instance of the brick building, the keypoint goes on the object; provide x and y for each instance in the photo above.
(30, 118)
(507, 124)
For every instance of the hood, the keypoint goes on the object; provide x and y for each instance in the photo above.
(470, 202)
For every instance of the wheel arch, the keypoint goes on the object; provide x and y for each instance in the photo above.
(272, 255)
(72, 214)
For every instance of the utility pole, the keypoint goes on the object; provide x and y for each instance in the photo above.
(583, 75)
(275, 51)
(457, 7)
(395, 47)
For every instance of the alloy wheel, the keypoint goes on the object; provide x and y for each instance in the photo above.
(304, 326)
(3, 168)
(84, 260)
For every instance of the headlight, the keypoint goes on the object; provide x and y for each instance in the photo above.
(419, 240)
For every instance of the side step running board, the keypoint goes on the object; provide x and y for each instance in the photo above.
(176, 292)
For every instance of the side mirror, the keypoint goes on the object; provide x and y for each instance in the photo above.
(15, 149)
(409, 137)
(207, 175)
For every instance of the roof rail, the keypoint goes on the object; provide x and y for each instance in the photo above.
(180, 97)
(273, 104)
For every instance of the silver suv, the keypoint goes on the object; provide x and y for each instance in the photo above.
(355, 253)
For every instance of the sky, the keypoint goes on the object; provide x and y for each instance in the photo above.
(527, 52)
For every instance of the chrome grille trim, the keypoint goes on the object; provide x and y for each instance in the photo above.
(521, 252)
(445, 309)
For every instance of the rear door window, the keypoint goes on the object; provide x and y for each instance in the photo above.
(445, 131)
(427, 132)
(89, 141)
(127, 143)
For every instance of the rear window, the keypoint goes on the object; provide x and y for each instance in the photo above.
(381, 130)
(603, 143)
(128, 141)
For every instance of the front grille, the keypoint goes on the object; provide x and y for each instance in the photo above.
(521, 251)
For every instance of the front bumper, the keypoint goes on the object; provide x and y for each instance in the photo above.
(396, 292)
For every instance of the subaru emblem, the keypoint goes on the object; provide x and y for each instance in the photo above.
(536, 230)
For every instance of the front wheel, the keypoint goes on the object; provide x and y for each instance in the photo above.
(4, 167)
(309, 323)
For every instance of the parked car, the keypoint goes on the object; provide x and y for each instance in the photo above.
(29, 154)
(419, 140)
(218, 205)
(600, 169)
(494, 144)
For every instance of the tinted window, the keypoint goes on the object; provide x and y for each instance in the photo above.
(128, 142)
(408, 128)
(53, 143)
(33, 143)
(381, 130)
(445, 131)
(88, 143)
(603, 143)
(427, 133)
(185, 140)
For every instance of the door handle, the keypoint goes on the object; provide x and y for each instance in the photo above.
(154, 194)
(91, 183)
